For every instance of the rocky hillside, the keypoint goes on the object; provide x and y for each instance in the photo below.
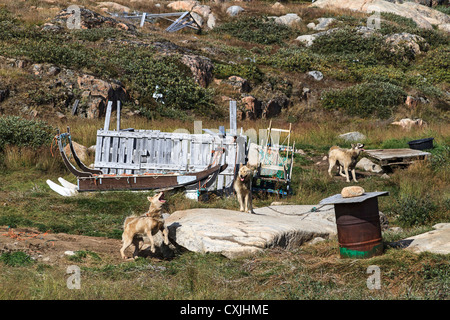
(291, 60)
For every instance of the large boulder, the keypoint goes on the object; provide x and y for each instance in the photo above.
(289, 19)
(187, 5)
(308, 39)
(239, 83)
(274, 106)
(353, 136)
(323, 24)
(435, 241)
(96, 92)
(201, 68)
(112, 6)
(424, 17)
(88, 20)
(80, 150)
(406, 43)
(234, 10)
(251, 108)
(233, 233)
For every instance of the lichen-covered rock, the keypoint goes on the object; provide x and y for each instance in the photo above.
(233, 233)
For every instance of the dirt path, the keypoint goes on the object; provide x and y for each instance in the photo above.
(50, 248)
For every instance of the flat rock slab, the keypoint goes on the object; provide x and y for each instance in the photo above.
(234, 233)
(435, 241)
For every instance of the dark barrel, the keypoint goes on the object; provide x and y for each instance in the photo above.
(359, 229)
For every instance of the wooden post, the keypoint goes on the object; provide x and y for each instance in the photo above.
(118, 116)
(233, 120)
(108, 115)
(143, 19)
(75, 107)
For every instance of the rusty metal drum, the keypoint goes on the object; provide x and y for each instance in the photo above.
(358, 225)
(359, 230)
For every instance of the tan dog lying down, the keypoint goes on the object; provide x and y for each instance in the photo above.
(149, 224)
(409, 123)
(344, 158)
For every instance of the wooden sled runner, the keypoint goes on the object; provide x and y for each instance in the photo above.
(94, 180)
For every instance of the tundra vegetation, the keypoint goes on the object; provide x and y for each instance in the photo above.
(364, 89)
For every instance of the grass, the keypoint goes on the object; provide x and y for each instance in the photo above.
(310, 272)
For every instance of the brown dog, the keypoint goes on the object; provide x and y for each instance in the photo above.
(344, 158)
(149, 224)
(243, 187)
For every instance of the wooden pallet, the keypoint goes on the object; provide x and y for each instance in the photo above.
(392, 157)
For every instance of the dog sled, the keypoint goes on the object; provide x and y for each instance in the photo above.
(89, 179)
(275, 162)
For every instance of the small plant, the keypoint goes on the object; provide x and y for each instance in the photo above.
(437, 63)
(79, 256)
(413, 211)
(366, 99)
(248, 71)
(20, 132)
(256, 29)
(395, 143)
(291, 59)
(16, 259)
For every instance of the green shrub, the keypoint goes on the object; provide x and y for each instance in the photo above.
(24, 133)
(96, 34)
(256, 29)
(342, 41)
(440, 157)
(291, 59)
(436, 64)
(399, 20)
(366, 99)
(444, 9)
(347, 41)
(413, 211)
(16, 259)
(248, 71)
(395, 143)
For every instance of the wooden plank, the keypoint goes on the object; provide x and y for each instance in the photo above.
(108, 116)
(144, 15)
(233, 118)
(385, 154)
(118, 116)
(175, 156)
(185, 153)
(107, 150)
(338, 199)
(114, 152)
(128, 166)
(98, 148)
(75, 107)
(129, 153)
